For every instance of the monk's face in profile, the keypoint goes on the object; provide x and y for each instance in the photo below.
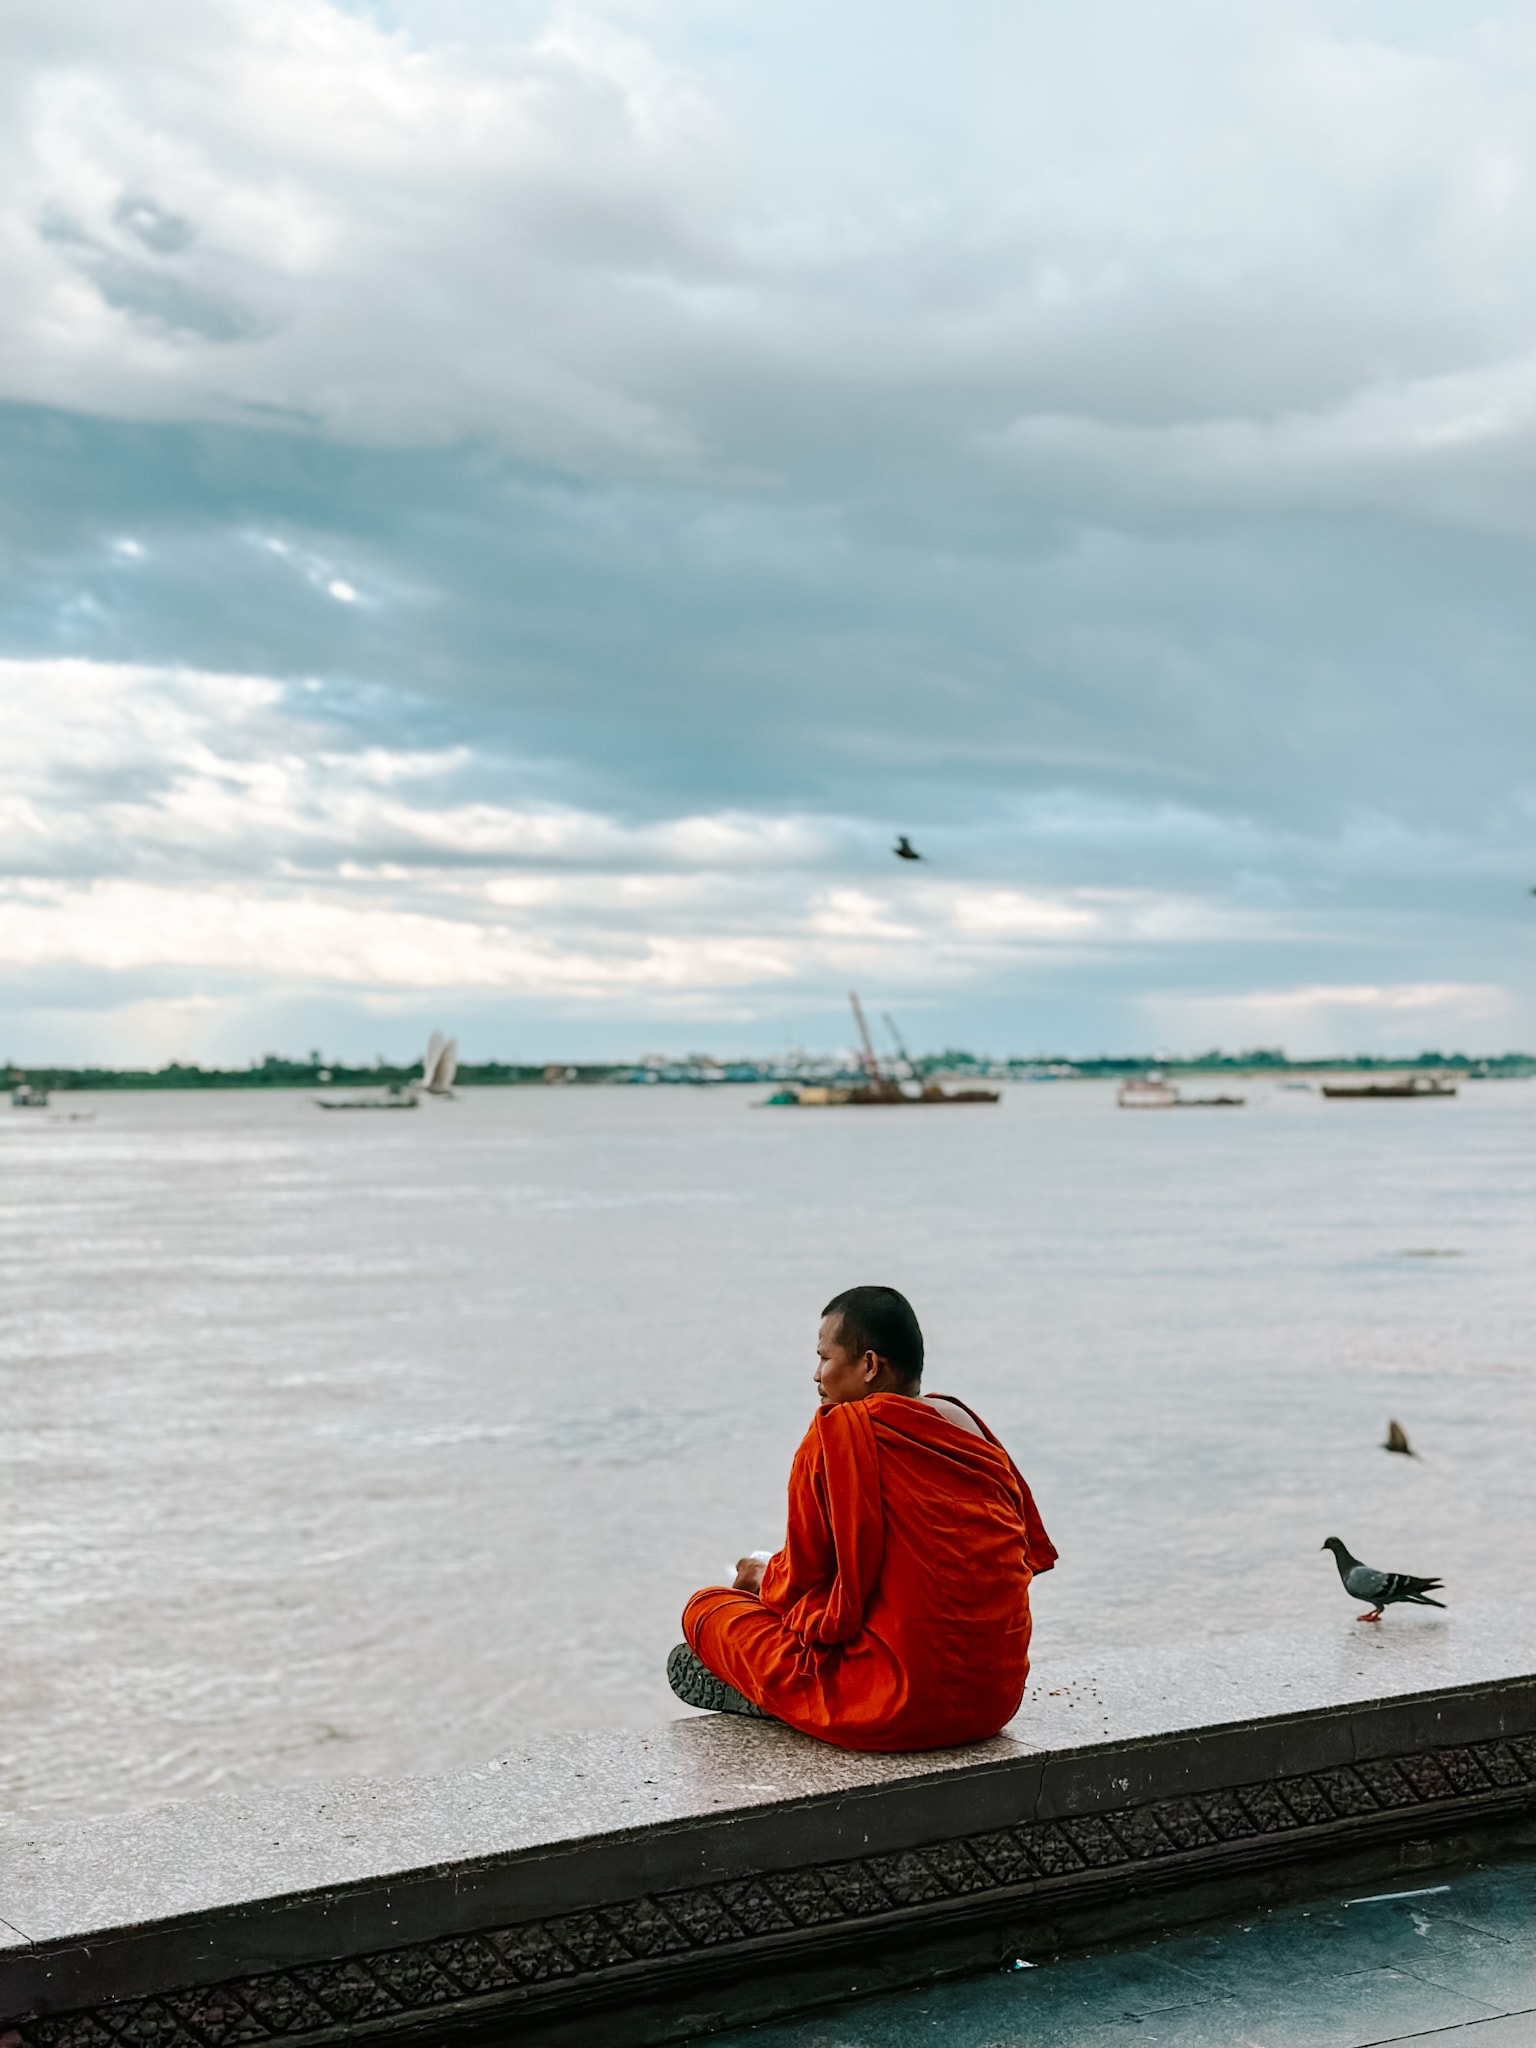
(846, 1375)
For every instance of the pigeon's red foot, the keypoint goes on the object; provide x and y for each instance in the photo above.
(1374, 1615)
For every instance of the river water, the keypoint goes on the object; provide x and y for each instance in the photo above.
(371, 1443)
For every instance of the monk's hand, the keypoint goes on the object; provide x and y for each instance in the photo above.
(749, 1575)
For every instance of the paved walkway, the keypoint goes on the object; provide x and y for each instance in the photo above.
(1454, 1967)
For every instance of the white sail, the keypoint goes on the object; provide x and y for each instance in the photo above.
(429, 1063)
(447, 1067)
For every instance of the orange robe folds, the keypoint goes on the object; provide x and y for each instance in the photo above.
(897, 1614)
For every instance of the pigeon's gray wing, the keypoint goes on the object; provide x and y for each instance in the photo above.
(1383, 1588)
(1404, 1586)
(1364, 1584)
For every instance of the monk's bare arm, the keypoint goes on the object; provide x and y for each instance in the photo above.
(953, 1412)
(749, 1575)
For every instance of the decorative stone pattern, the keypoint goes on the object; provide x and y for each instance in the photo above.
(338, 2000)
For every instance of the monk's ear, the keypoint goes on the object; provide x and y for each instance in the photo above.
(871, 1364)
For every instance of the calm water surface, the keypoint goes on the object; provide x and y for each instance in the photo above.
(339, 1444)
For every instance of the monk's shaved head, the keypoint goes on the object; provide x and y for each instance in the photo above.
(879, 1319)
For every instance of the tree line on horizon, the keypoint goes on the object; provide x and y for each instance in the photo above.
(277, 1071)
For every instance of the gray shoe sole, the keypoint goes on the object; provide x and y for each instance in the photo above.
(697, 1686)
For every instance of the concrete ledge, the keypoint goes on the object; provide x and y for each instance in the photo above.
(641, 1887)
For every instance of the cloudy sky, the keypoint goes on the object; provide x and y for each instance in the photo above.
(505, 509)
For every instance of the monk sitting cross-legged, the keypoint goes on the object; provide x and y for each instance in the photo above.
(897, 1614)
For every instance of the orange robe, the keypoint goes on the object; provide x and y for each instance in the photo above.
(897, 1614)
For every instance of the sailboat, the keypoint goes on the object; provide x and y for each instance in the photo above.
(437, 1071)
(440, 1065)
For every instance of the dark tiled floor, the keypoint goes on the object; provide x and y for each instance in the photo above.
(1453, 1967)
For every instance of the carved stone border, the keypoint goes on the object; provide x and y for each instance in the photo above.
(506, 1968)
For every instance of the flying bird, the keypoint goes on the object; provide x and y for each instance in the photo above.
(1382, 1589)
(904, 849)
(1397, 1440)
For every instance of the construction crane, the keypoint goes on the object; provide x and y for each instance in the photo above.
(871, 1064)
(883, 1087)
(901, 1047)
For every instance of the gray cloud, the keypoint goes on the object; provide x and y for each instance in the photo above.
(602, 238)
(1099, 443)
(152, 296)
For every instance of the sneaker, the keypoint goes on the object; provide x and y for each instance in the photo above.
(697, 1686)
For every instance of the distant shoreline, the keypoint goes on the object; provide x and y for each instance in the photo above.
(281, 1073)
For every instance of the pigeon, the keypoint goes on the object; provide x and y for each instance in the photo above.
(904, 849)
(1397, 1440)
(1381, 1588)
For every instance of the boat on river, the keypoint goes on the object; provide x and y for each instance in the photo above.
(1147, 1091)
(28, 1095)
(440, 1065)
(399, 1095)
(437, 1071)
(1405, 1088)
(1155, 1091)
(878, 1088)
